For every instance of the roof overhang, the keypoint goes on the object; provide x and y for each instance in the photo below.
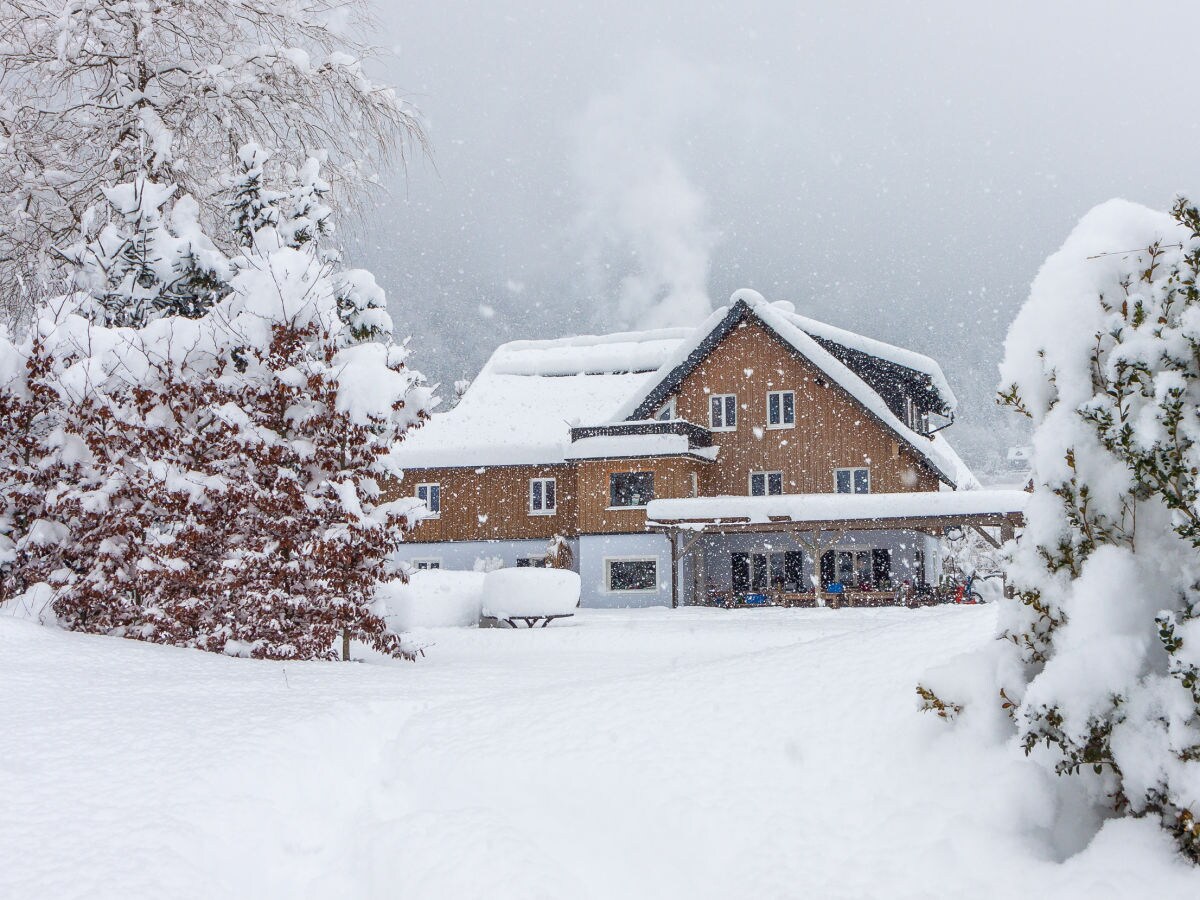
(929, 511)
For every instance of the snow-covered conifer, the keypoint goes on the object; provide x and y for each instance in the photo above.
(1099, 671)
(153, 259)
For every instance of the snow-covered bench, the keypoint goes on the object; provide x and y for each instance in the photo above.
(532, 596)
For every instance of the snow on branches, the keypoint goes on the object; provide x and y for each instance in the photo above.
(1100, 666)
(96, 92)
(217, 481)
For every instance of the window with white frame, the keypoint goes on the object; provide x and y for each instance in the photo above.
(543, 497)
(423, 564)
(781, 409)
(852, 481)
(631, 574)
(667, 412)
(431, 495)
(532, 562)
(722, 412)
(763, 484)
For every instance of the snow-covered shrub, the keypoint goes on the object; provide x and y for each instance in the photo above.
(433, 598)
(530, 592)
(215, 482)
(1099, 668)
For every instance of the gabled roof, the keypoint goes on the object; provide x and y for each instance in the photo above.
(521, 407)
(781, 321)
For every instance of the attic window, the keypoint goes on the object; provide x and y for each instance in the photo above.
(852, 481)
(667, 412)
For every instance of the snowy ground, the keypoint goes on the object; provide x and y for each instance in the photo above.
(648, 753)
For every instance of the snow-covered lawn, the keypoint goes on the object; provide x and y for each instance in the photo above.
(645, 753)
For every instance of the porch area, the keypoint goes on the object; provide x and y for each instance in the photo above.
(823, 549)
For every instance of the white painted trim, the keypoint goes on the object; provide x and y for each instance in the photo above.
(766, 483)
(782, 426)
(851, 470)
(736, 412)
(529, 497)
(609, 560)
(426, 484)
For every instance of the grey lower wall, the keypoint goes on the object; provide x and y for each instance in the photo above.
(463, 555)
(596, 549)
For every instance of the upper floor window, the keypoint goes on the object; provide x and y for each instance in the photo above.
(543, 497)
(765, 483)
(431, 495)
(852, 481)
(667, 412)
(781, 409)
(630, 488)
(722, 412)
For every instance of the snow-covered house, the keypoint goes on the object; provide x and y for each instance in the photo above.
(759, 450)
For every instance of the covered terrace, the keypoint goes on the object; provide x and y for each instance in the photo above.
(810, 542)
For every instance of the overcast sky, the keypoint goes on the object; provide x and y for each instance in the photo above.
(897, 169)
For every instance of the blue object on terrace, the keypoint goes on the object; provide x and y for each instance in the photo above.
(836, 587)
(756, 599)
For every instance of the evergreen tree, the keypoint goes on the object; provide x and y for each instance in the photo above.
(1099, 671)
(153, 259)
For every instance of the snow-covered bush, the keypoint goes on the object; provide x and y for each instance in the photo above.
(1099, 668)
(217, 481)
(530, 592)
(433, 598)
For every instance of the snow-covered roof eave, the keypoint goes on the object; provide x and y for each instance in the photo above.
(944, 466)
(830, 507)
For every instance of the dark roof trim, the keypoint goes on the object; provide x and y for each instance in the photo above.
(737, 312)
(675, 377)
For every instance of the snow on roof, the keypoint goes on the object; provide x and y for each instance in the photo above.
(909, 359)
(779, 320)
(626, 446)
(520, 408)
(839, 507)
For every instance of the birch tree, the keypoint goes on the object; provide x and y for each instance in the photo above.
(96, 92)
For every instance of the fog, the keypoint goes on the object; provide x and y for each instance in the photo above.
(898, 171)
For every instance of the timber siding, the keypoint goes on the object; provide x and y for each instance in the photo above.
(832, 430)
(672, 478)
(492, 503)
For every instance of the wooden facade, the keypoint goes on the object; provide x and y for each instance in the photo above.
(832, 430)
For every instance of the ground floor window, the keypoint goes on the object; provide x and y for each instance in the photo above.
(427, 564)
(631, 574)
(783, 571)
(857, 569)
(531, 562)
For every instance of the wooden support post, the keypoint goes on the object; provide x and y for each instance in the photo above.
(1007, 533)
(675, 569)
